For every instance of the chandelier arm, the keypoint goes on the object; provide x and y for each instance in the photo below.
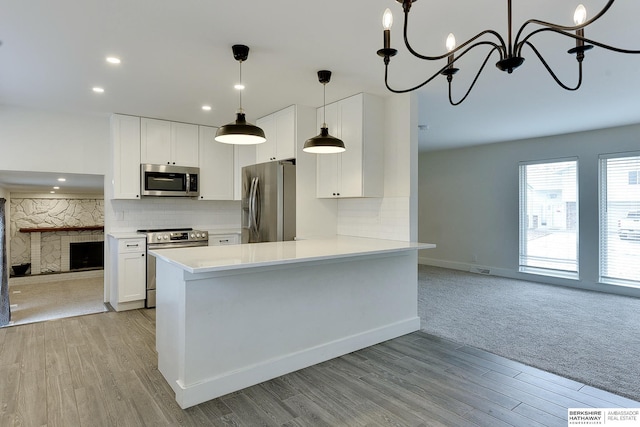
(560, 27)
(474, 80)
(552, 74)
(386, 83)
(502, 48)
(573, 36)
(439, 72)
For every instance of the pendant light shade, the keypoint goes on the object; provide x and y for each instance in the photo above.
(324, 143)
(240, 132)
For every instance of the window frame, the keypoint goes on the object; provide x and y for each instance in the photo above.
(522, 221)
(602, 207)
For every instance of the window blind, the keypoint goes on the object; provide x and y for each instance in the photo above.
(620, 219)
(549, 218)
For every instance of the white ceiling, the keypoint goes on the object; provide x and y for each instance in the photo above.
(176, 56)
(44, 182)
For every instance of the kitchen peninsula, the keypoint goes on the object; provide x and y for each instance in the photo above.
(233, 316)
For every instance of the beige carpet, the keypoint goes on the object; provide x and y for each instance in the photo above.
(56, 299)
(590, 337)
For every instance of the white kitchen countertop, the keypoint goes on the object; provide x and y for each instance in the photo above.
(126, 235)
(231, 257)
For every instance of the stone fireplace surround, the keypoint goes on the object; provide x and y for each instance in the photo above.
(55, 221)
(65, 252)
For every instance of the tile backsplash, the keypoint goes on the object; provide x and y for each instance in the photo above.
(131, 215)
(380, 218)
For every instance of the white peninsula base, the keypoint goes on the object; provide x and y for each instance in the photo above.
(221, 329)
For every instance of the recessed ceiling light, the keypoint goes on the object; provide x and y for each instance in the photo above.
(98, 89)
(52, 192)
(62, 179)
(206, 107)
(56, 188)
(239, 86)
(113, 60)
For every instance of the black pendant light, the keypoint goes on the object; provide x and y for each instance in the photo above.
(324, 143)
(240, 132)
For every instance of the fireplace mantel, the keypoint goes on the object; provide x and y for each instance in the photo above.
(48, 229)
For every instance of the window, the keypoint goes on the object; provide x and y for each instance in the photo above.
(620, 219)
(549, 218)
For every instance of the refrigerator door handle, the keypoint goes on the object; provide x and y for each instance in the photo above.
(255, 202)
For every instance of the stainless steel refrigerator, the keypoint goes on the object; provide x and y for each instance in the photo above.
(269, 202)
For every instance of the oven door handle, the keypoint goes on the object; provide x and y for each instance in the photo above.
(158, 246)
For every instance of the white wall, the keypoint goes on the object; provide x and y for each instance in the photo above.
(468, 202)
(46, 141)
(393, 216)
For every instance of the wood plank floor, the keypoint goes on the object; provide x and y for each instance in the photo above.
(61, 296)
(101, 370)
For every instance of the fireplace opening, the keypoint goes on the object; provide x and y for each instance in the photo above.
(86, 255)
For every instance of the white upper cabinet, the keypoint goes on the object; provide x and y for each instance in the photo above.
(216, 167)
(359, 171)
(280, 130)
(168, 143)
(244, 155)
(125, 146)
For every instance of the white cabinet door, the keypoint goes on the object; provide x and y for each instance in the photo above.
(125, 140)
(327, 164)
(244, 155)
(266, 151)
(350, 169)
(280, 130)
(168, 143)
(155, 142)
(216, 167)
(132, 268)
(286, 133)
(184, 144)
(357, 172)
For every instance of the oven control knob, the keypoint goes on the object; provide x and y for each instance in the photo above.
(198, 235)
(159, 237)
(193, 235)
(166, 237)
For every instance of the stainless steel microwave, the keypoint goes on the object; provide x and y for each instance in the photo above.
(169, 180)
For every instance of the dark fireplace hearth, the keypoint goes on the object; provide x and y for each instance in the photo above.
(83, 255)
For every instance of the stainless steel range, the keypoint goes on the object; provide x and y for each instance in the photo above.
(167, 239)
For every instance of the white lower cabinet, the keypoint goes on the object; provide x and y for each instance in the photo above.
(128, 273)
(224, 239)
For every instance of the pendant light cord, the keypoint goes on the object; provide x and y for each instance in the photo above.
(241, 110)
(324, 105)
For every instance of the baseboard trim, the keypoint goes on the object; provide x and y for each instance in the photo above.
(191, 395)
(549, 280)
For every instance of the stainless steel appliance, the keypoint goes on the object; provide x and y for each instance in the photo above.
(169, 180)
(269, 202)
(167, 239)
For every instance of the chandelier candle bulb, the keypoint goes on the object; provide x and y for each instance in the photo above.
(579, 18)
(387, 22)
(451, 45)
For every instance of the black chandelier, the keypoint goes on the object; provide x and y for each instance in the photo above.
(510, 52)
